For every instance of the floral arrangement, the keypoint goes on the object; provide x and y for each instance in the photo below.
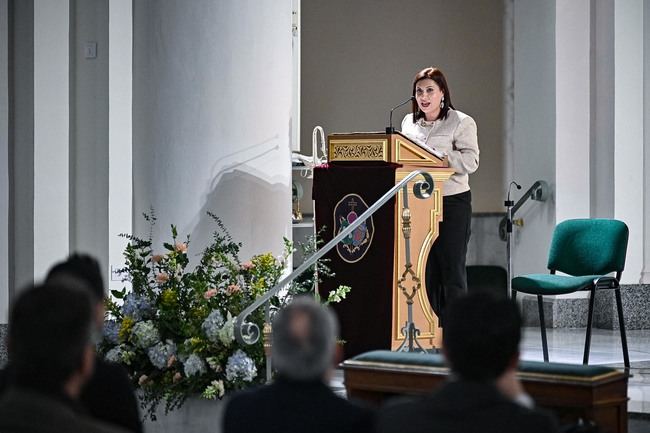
(174, 331)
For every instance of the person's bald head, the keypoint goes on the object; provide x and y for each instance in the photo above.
(304, 339)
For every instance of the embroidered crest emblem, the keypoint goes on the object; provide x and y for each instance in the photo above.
(354, 246)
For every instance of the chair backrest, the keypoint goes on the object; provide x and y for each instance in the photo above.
(588, 247)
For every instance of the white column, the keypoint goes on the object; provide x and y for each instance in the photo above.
(572, 72)
(120, 177)
(628, 130)
(51, 133)
(211, 120)
(4, 162)
(295, 58)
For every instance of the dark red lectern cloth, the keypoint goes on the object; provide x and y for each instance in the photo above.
(364, 260)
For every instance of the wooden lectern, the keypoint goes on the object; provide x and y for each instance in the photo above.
(425, 217)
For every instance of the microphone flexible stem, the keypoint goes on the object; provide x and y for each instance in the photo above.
(390, 116)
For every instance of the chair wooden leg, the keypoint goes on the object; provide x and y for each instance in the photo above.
(542, 326)
(590, 318)
(621, 324)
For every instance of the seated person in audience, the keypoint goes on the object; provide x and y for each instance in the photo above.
(299, 400)
(108, 395)
(481, 345)
(51, 350)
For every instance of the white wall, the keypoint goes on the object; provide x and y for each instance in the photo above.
(628, 131)
(51, 133)
(120, 134)
(534, 128)
(211, 129)
(89, 130)
(359, 58)
(602, 110)
(572, 114)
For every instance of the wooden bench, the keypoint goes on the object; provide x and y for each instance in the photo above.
(590, 392)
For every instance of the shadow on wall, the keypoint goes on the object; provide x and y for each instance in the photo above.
(254, 211)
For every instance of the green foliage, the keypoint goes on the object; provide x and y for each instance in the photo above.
(317, 273)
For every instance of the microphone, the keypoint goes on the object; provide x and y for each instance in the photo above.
(509, 202)
(509, 205)
(389, 128)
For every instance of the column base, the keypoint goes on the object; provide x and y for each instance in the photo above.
(572, 312)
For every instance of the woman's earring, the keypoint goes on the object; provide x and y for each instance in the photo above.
(442, 103)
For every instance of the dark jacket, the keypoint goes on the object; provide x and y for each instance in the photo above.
(289, 406)
(468, 407)
(27, 411)
(108, 396)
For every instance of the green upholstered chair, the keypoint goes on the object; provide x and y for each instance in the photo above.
(586, 250)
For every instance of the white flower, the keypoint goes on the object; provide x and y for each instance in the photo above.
(227, 332)
(214, 390)
(213, 363)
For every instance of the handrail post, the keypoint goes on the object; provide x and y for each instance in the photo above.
(409, 331)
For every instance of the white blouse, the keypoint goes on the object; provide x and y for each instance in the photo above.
(454, 136)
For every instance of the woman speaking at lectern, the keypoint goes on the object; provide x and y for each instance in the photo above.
(436, 124)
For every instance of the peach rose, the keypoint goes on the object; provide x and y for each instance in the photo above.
(210, 293)
(177, 377)
(171, 361)
(143, 379)
(157, 258)
(247, 265)
(232, 289)
(162, 278)
(181, 247)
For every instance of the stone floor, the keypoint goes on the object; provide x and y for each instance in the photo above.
(567, 345)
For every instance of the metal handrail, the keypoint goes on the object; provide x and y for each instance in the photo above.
(539, 191)
(248, 332)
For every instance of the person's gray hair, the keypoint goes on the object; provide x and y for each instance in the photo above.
(303, 340)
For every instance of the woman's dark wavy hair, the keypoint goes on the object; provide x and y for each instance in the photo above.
(436, 75)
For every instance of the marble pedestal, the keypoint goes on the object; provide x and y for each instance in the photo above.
(196, 415)
(562, 312)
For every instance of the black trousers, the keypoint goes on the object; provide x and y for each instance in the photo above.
(446, 277)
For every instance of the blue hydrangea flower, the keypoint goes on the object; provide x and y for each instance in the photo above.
(137, 307)
(240, 366)
(159, 353)
(212, 324)
(145, 334)
(115, 354)
(194, 365)
(111, 330)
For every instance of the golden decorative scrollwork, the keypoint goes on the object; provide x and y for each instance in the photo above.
(358, 150)
(267, 338)
(408, 271)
